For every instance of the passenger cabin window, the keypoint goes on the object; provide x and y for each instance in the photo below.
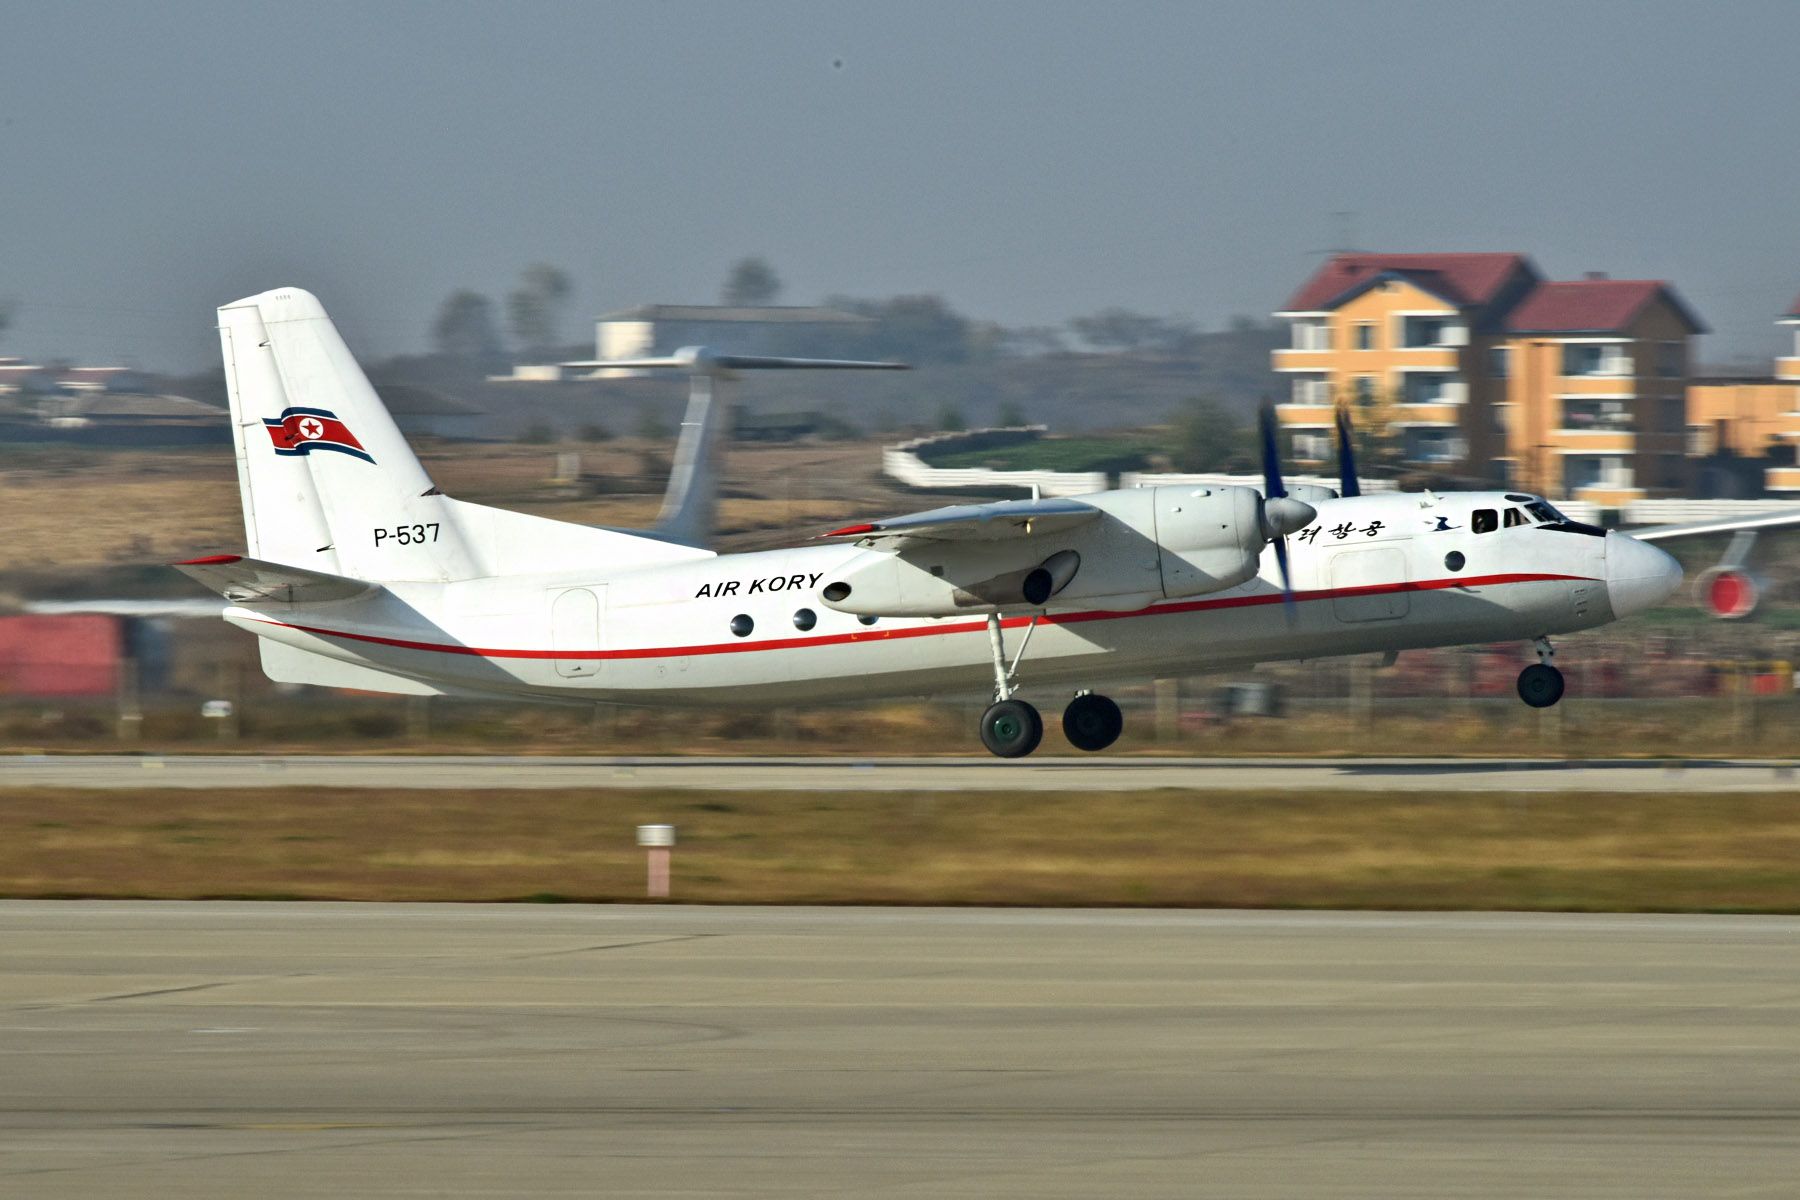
(1515, 517)
(1485, 520)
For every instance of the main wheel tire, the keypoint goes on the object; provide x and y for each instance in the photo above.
(1540, 685)
(1011, 728)
(1092, 722)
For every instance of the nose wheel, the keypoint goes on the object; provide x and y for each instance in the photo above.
(1541, 684)
(1092, 722)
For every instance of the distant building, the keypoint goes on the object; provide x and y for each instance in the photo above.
(1474, 365)
(1753, 416)
(113, 406)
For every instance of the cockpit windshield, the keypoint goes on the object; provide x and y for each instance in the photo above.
(1541, 511)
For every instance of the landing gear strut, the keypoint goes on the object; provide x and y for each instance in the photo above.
(1541, 684)
(1009, 728)
(1092, 722)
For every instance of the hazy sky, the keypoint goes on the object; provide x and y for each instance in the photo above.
(1030, 162)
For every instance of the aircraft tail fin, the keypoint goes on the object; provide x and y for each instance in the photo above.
(329, 484)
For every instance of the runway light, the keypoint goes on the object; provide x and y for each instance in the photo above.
(658, 842)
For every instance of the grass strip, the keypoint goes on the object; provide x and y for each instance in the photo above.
(1601, 853)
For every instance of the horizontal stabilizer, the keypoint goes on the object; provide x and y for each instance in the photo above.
(971, 522)
(700, 359)
(247, 580)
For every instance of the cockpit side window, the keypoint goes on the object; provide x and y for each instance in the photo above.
(1515, 517)
(1485, 520)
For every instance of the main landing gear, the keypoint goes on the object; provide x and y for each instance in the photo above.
(1012, 728)
(1541, 684)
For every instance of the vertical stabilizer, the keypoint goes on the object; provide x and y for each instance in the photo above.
(328, 482)
(692, 498)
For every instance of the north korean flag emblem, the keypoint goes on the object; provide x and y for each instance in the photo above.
(303, 430)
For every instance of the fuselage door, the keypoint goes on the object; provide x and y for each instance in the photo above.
(1369, 585)
(575, 631)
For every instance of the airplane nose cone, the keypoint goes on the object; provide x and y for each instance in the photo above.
(1638, 575)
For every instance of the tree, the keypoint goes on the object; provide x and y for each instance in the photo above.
(1124, 331)
(913, 329)
(534, 308)
(951, 419)
(6, 314)
(752, 281)
(1206, 437)
(465, 328)
(1010, 415)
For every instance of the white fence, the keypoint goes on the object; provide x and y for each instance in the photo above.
(900, 462)
(1137, 479)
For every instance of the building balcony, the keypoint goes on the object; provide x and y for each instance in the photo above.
(1306, 416)
(1782, 479)
(1434, 358)
(1787, 368)
(1620, 387)
(1289, 359)
(1596, 441)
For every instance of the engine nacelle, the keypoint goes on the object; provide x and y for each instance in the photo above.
(1729, 593)
(1148, 544)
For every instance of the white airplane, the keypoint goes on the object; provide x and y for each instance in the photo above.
(360, 573)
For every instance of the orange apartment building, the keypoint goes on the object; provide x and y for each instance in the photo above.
(1474, 365)
(1754, 417)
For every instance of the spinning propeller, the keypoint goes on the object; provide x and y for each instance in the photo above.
(1347, 485)
(1282, 514)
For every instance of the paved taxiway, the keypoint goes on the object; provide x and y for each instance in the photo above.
(1040, 773)
(229, 1050)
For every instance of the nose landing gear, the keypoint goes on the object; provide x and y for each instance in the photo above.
(1541, 684)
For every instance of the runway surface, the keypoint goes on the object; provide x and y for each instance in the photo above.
(289, 1050)
(1042, 773)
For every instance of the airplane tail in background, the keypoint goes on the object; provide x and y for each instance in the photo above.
(329, 484)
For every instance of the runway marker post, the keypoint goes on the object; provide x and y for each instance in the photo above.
(658, 842)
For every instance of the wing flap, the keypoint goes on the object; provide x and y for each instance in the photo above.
(970, 523)
(247, 580)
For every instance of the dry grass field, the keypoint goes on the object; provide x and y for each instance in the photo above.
(71, 508)
(1164, 848)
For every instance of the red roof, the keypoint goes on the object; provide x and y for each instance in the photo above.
(1592, 305)
(1464, 279)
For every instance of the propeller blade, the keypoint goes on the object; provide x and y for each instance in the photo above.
(1347, 484)
(1287, 582)
(1271, 456)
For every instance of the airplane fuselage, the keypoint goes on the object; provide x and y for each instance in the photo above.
(1371, 574)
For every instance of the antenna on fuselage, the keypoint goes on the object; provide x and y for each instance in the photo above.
(691, 501)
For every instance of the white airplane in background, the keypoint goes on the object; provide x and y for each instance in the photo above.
(360, 573)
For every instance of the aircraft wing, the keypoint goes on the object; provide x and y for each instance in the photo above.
(970, 523)
(1780, 518)
(242, 580)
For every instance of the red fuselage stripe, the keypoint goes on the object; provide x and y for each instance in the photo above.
(875, 635)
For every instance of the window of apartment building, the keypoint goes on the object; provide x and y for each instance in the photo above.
(1670, 359)
(1431, 387)
(1596, 358)
(1502, 414)
(1312, 389)
(1578, 413)
(1365, 335)
(1363, 390)
(1424, 444)
(1672, 410)
(1312, 333)
(1310, 445)
(1417, 332)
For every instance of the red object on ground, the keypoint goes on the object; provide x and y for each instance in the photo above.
(74, 654)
